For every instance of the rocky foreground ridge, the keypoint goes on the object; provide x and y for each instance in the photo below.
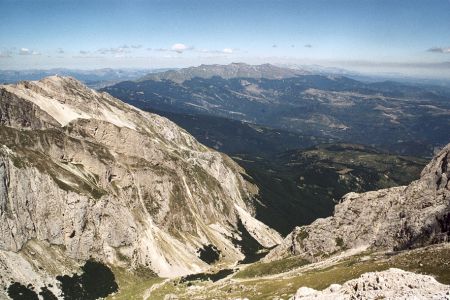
(397, 218)
(84, 175)
(390, 284)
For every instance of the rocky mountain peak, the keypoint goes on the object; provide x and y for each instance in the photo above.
(66, 99)
(438, 170)
(52, 85)
(84, 175)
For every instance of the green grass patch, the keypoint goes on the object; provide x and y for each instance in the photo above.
(132, 285)
(270, 268)
(433, 261)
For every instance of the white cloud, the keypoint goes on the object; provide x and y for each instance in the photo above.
(24, 51)
(118, 51)
(439, 50)
(223, 51)
(180, 48)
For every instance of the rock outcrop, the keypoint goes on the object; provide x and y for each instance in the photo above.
(390, 284)
(91, 176)
(390, 219)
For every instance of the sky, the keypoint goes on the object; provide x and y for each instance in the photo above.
(386, 35)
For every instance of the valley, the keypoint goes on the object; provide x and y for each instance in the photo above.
(256, 281)
(301, 185)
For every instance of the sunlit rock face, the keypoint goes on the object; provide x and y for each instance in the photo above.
(398, 218)
(84, 175)
(390, 284)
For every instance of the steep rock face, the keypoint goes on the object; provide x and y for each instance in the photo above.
(390, 219)
(83, 171)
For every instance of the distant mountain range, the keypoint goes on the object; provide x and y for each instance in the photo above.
(93, 78)
(234, 70)
(398, 117)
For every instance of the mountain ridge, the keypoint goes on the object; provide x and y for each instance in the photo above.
(405, 119)
(233, 70)
(123, 186)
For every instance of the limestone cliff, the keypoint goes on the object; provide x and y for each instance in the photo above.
(86, 175)
(391, 219)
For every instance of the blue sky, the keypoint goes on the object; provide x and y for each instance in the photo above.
(392, 34)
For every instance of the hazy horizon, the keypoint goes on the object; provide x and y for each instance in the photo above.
(410, 38)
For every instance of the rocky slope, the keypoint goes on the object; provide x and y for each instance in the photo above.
(84, 175)
(390, 219)
(391, 284)
(298, 186)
